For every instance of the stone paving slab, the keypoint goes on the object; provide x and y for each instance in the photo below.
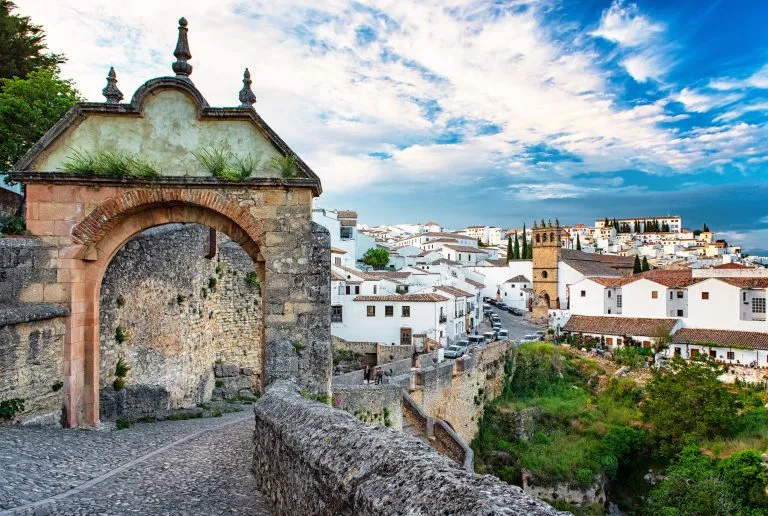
(200, 466)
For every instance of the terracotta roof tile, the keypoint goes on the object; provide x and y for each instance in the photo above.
(607, 325)
(413, 298)
(454, 291)
(335, 276)
(518, 279)
(756, 282)
(336, 250)
(725, 338)
(731, 265)
(675, 278)
(465, 249)
(474, 283)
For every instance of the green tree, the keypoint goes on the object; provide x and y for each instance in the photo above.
(23, 47)
(510, 252)
(706, 228)
(689, 403)
(28, 108)
(692, 486)
(637, 268)
(646, 266)
(376, 257)
(516, 250)
(524, 246)
(661, 338)
(746, 477)
(578, 242)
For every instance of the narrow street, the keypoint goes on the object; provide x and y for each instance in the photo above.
(517, 326)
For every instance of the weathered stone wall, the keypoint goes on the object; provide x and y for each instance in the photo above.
(456, 392)
(10, 202)
(312, 459)
(378, 405)
(181, 312)
(31, 361)
(27, 270)
(389, 353)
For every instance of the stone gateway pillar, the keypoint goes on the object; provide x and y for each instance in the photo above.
(108, 171)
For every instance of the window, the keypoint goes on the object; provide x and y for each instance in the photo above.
(712, 353)
(758, 305)
(654, 294)
(680, 294)
(337, 260)
(459, 256)
(336, 314)
(670, 294)
(406, 311)
(389, 311)
(405, 336)
(583, 293)
(371, 311)
(677, 352)
(609, 294)
(349, 290)
(357, 289)
(705, 295)
(375, 287)
(544, 274)
(345, 233)
(730, 355)
(619, 342)
(695, 352)
(609, 341)
(619, 299)
(680, 313)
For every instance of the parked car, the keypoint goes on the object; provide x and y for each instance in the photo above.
(540, 334)
(489, 336)
(495, 319)
(516, 311)
(453, 352)
(486, 299)
(463, 344)
(510, 309)
(503, 334)
(530, 338)
(476, 340)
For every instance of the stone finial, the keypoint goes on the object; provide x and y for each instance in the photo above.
(181, 67)
(247, 97)
(557, 223)
(549, 221)
(110, 92)
(534, 225)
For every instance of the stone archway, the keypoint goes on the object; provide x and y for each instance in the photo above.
(108, 228)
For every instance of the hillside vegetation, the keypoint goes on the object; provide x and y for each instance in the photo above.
(563, 418)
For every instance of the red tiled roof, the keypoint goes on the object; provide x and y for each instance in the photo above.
(474, 283)
(454, 291)
(335, 276)
(731, 265)
(614, 282)
(336, 250)
(465, 249)
(443, 240)
(607, 325)
(347, 214)
(724, 338)
(675, 278)
(755, 282)
(414, 298)
(518, 279)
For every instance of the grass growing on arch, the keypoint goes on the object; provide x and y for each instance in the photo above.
(110, 164)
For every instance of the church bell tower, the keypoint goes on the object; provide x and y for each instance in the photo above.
(546, 255)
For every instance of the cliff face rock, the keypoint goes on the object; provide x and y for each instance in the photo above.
(312, 459)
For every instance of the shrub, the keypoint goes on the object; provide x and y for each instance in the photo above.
(121, 368)
(219, 384)
(12, 226)
(122, 424)
(120, 334)
(252, 278)
(110, 164)
(56, 387)
(286, 166)
(11, 407)
(120, 301)
(298, 346)
(212, 283)
(119, 383)
(224, 164)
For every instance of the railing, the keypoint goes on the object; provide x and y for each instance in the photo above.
(336, 318)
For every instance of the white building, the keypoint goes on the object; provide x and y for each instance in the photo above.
(488, 235)
(342, 225)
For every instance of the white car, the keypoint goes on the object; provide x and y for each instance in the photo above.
(530, 338)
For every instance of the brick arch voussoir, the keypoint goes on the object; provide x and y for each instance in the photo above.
(112, 211)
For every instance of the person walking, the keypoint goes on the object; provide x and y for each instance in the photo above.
(367, 374)
(378, 376)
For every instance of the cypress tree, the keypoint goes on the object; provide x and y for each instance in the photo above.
(516, 248)
(645, 265)
(525, 246)
(578, 242)
(509, 249)
(706, 228)
(638, 268)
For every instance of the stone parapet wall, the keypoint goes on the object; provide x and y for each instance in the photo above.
(312, 459)
(27, 270)
(378, 405)
(363, 348)
(32, 362)
(452, 445)
(388, 353)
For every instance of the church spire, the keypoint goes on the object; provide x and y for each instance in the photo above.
(182, 54)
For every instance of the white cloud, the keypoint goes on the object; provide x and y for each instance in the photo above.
(757, 80)
(335, 101)
(623, 24)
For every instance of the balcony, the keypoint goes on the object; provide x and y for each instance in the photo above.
(443, 318)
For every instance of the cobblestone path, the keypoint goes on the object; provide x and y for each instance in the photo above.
(199, 466)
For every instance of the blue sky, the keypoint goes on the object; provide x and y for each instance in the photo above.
(472, 112)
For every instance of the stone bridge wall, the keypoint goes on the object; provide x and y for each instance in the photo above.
(160, 290)
(456, 391)
(312, 459)
(377, 405)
